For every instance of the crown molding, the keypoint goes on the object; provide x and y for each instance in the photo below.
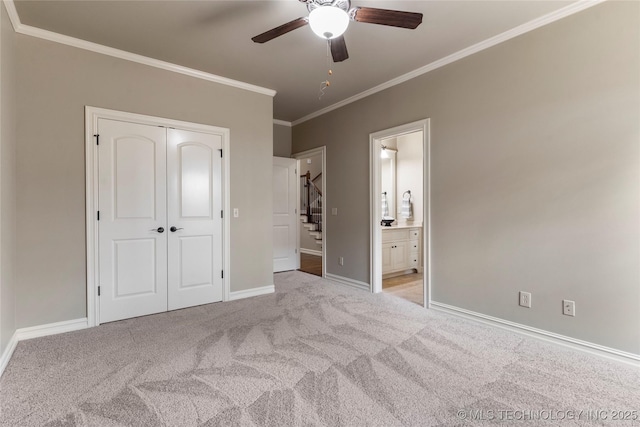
(568, 10)
(13, 14)
(28, 30)
(281, 123)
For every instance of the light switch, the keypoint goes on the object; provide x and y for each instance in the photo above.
(236, 212)
(334, 211)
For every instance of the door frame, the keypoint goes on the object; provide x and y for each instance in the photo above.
(375, 188)
(303, 155)
(92, 114)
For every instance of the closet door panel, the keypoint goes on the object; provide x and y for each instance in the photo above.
(132, 241)
(194, 173)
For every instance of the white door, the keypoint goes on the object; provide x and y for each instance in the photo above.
(285, 220)
(133, 218)
(160, 226)
(194, 181)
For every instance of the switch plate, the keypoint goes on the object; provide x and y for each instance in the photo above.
(334, 211)
(525, 299)
(341, 260)
(568, 307)
(236, 212)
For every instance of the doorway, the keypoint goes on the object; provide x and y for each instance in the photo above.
(156, 196)
(400, 220)
(312, 212)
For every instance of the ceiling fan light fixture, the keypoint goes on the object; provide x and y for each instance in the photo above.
(328, 22)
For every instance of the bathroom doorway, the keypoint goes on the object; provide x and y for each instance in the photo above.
(400, 212)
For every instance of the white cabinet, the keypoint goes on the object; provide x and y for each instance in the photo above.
(394, 257)
(387, 264)
(401, 249)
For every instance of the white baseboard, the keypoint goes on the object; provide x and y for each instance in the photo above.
(51, 329)
(348, 282)
(310, 252)
(39, 331)
(248, 293)
(8, 352)
(552, 337)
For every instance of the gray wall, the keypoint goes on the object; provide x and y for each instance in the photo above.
(281, 140)
(7, 179)
(535, 175)
(55, 82)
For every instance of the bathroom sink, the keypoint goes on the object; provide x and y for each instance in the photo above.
(386, 221)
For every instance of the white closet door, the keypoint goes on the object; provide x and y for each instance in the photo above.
(194, 180)
(132, 235)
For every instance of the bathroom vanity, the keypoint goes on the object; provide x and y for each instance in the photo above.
(401, 249)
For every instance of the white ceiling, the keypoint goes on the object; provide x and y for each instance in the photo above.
(215, 36)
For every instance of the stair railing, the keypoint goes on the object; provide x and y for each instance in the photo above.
(311, 200)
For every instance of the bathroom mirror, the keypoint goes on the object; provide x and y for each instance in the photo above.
(388, 176)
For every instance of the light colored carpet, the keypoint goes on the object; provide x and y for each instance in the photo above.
(313, 353)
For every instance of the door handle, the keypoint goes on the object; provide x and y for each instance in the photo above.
(174, 229)
(159, 230)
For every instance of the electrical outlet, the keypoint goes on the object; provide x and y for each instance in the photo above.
(341, 260)
(568, 307)
(525, 299)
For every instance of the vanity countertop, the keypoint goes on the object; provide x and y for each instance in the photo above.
(398, 226)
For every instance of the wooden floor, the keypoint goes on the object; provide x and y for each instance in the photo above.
(311, 264)
(408, 286)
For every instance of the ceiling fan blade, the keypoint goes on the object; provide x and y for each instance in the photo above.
(282, 29)
(339, 49)
(393, 18)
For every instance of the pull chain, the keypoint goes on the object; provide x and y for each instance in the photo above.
(326, 83)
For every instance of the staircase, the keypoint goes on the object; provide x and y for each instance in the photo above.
(311, 207)
(312, 229)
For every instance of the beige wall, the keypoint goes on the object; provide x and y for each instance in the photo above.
(534, 173)
(7, 180)
(55, 82)
(281, 140)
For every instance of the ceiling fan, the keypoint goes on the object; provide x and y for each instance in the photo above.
(329, 19)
